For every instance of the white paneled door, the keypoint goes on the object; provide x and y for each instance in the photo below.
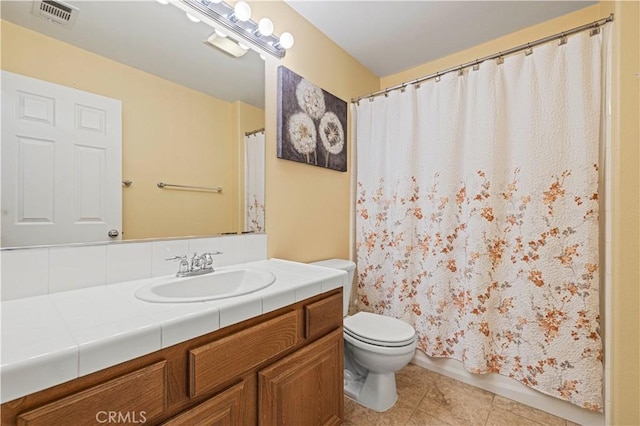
(61, 164)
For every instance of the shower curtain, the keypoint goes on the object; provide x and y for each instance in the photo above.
(477, 216)
(254, 182)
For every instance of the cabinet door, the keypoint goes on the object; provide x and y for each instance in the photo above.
(305, 388)
(223, 409)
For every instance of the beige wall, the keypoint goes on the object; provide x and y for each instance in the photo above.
(625, 294)
(308, 206)
(188, 140)
(625, 311)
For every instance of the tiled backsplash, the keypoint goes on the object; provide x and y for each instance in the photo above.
(36, 271)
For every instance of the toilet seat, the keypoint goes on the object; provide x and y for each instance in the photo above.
(377, 342)
(379, 330)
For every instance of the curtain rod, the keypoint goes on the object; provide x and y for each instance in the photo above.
(594, 26)
(253, 132)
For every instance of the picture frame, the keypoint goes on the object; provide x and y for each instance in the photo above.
(312, 123)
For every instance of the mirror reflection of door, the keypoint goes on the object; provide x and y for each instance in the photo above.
(61, 163)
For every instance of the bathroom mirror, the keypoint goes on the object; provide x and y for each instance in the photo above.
(185, 106)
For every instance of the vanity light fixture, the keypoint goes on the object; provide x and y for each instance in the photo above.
(286, 41)
(265, 27)
(241, 12)
(236, 22)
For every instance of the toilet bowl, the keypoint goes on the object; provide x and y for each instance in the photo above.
(375, 347)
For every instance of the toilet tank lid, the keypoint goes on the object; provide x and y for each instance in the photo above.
(342, 264)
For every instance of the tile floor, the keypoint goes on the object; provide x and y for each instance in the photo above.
(426, 398)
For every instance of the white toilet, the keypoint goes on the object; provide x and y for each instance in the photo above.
(375, 347)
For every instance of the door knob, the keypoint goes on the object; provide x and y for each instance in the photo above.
(113, 233)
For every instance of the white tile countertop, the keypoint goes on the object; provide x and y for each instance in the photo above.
(50, 339)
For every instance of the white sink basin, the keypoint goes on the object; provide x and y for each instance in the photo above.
(216, 285)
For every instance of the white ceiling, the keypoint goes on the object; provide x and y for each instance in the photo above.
(385, 36)
(392, 36)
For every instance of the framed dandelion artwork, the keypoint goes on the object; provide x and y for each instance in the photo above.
(311, 123)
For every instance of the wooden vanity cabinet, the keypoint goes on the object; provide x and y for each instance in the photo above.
(284, 367)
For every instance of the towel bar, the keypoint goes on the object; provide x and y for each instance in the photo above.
(200, 188)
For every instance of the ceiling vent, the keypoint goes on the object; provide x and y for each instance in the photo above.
(56, 11)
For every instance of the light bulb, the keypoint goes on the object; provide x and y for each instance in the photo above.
(265, 27)
(286, 40)
(220, 33)
(242, 11)
(242, 45)
(263, 57)
(192, 18)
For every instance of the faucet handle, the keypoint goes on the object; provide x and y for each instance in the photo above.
(183, 257)
(184, 264)
(208, 258)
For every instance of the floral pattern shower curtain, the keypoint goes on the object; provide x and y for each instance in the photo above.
(477, 216)
(254, 182)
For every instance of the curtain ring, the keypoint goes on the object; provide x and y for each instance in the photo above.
(529, 50)
(563, 39)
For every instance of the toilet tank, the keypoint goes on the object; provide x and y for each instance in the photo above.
(343, 265)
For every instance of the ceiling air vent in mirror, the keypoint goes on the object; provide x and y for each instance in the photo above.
(56, 11)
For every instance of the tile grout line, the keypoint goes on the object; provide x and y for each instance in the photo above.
(493, 398)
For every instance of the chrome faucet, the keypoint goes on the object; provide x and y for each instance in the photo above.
(200, 264)
(196, 263)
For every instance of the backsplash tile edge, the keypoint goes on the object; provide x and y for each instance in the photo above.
(12, 283)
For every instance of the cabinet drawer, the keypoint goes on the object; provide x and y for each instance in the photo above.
(223, 409)
(133, 398)
(213, 364)
(323, 316)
